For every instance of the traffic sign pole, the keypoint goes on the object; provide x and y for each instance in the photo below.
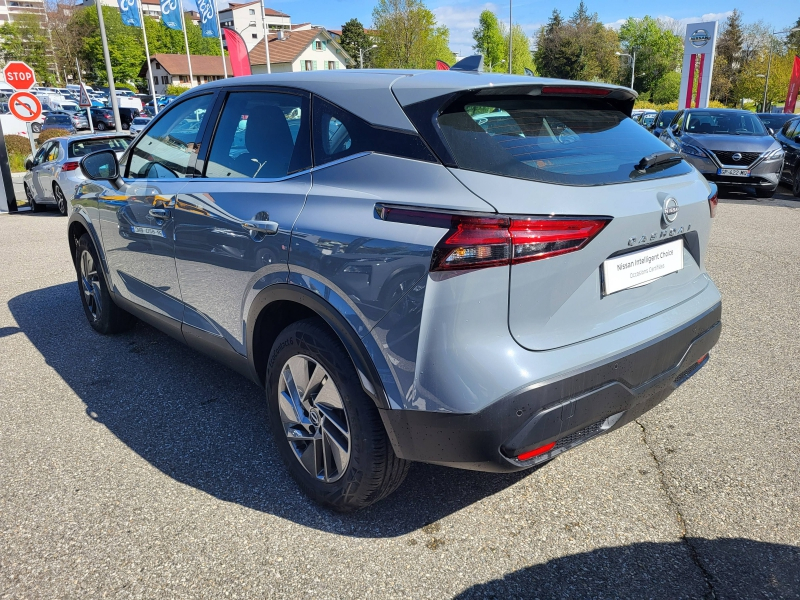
(89, 116)
(30, 138)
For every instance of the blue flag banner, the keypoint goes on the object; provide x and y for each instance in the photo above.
(208, 18)
(170, 14)
(129, 10)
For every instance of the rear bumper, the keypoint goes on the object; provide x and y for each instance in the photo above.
(567, 411)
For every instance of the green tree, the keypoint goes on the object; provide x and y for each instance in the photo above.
(25, 39)
(408, 36)
(728, 60)
(521, 49)
(355, 41)
(793, 39)
(580, 48)
(489, 41)
(658, 51)
(667, 88)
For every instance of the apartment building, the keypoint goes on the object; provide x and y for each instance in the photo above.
(246, 19)
(10, 8)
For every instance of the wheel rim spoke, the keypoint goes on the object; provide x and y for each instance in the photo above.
(314, 418)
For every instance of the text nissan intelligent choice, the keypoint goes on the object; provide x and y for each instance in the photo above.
(468, 269)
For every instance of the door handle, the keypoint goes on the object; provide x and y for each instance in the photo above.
(265, 227)
(159, 213)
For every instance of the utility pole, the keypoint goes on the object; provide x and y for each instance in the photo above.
(266, 35)
(186, 41)
(112, 91)
(510, 37)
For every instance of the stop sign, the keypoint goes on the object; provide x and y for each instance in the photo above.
(19, 75)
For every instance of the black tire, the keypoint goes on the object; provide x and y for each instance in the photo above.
(796, 183)
(35, 206)
(100, 126)
(373, 470)
(101, 312)
(36, 127)
(765, 192)
(61, 199)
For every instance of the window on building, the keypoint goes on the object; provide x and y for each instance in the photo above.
(254, 35)
(262, 134)
(183, 78)
(170, 145)
(252, 24)
(308, 65)
(318, 45)
(331, 65)
(252, 11)
(165, 79)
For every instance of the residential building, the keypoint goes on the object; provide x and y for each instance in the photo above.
(173, 69)
(10, 8)
(246, 19)
(150, 8)
(303, 50)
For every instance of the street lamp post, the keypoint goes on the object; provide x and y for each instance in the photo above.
(633, 64)
(769, 64)
(510, 38)
(361, 55)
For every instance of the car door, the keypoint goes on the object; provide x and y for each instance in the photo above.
(233, 224)
(42, 171)
(791, 147)
(136, 214)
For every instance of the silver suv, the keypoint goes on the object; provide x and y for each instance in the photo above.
(468, 269)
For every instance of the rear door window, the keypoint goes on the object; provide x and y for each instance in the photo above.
(84, 147)
(564, 141)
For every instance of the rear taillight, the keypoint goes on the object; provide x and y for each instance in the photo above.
(70, 166)
(536, 451)
(579, 90)
(478, 241)
(713, 200)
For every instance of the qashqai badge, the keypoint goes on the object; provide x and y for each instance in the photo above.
(736, 156)
(699, 38)
(670, 210)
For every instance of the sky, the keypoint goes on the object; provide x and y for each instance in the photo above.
(461, 16)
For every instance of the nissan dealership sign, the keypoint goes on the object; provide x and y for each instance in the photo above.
(698, 64)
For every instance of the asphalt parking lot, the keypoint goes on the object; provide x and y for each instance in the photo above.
(131, 466)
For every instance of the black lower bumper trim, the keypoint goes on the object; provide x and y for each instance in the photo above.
(567, 411)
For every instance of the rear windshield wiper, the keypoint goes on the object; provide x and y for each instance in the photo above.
(656, 159)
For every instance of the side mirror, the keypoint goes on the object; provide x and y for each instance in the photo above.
(101, 166)
(28, 162)
(771, 131)
(797, 139)
(676, 131)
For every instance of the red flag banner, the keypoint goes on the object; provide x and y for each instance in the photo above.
(442, 66)
(237, 50)
(794, 87)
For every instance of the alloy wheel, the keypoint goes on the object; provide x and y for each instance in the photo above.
(29, 196)
(90, 283)
(796, 183)
(60, 199)
(314, 418)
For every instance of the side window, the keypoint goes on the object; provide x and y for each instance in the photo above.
(41, 154)
(261, 134)
(677, 122)
(794, 129)
(170, 145)
(52, 153)
(338, 134)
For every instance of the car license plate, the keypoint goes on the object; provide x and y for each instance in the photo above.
(642, 267)
(734, 172)
(148, 231)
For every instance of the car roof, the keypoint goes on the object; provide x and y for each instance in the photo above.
(376, 95)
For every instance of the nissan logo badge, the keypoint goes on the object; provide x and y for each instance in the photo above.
(699, 38)
(736, 156)
(670, 210)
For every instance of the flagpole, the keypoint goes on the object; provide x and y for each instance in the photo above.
(151, 83)
(186, 40)
(221, 47)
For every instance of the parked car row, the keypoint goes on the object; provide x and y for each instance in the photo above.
(733, 148)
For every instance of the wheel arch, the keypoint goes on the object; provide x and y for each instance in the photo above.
(279, 305)
(76, 227)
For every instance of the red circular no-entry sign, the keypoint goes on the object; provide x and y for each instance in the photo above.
(19, 75)
(25, 106)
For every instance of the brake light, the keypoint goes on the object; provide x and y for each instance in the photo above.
(491, 241)
(586, 91)
(70, 166)
(713, 201)
(536, 451)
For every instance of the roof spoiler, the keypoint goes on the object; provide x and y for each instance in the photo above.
(470, 63)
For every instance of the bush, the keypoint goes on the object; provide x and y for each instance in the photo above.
(176, 90)
(17, 144)
(49, 134)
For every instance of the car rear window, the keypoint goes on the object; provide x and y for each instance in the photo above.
(566, 141)
(57, 119)
(84, 147)
(141, 121)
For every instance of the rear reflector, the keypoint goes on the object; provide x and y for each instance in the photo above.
(491, 241)
(580, 90)
(70, 166)
(713, 201)
(536, 451)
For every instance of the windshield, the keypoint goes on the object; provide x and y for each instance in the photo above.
(665, 118)
(721, 122)
(775, 121)
(84, 147)
(567, 141)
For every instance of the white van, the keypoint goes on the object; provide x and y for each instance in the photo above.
(130, 102)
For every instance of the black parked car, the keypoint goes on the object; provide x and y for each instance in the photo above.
(789, 139)
(774, 121)
(102, 119)
(662, 121)
(127, 115)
